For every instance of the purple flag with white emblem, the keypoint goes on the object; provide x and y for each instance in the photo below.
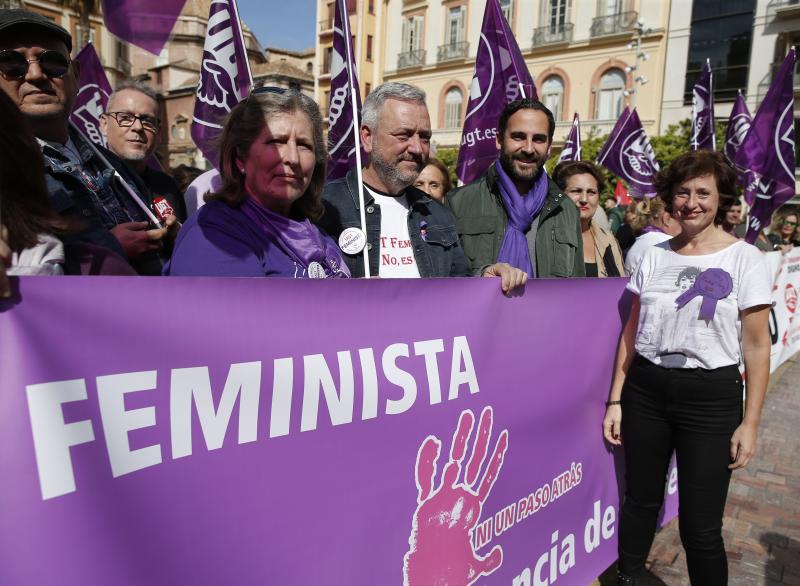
(145, 23)
(768, 150)
(629, 155)
(342, 127)
(738, 125)
(225, 78)
(93, 93)
(572, 146)
(500, 70)
(703, 111)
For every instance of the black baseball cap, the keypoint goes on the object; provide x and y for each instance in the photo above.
(14, 17)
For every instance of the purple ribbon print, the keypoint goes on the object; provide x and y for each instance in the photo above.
(713, 285)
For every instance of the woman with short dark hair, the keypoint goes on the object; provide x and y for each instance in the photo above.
(582, 182)
(700, 304)
(272, 161)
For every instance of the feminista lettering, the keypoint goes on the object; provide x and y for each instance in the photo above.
(190, 392)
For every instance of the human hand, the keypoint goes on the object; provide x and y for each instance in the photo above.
(440, 546)
(172, 227)
(510, 277)
(612, 425)
(743, 445)
(5, 261)
(136, 240)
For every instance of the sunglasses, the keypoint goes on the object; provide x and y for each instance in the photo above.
(789, 223)
(14, 66)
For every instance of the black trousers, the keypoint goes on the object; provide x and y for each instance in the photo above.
(694, 412)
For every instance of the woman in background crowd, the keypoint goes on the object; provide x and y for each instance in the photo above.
(28, 224)
(659, 225)
(582, 182)
(434, 180)
(783, 232)
(700, 304)
(272, 162)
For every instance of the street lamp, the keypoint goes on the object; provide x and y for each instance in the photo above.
(639, 56)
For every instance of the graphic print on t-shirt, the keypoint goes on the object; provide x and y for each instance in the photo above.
(396, 250)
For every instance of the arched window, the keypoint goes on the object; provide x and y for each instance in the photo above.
(453, 101)
(553, 95)
(609, 95)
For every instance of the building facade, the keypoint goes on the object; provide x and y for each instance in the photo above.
(582, 54)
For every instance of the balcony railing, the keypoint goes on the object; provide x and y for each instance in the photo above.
(411, 59)
(325, 68)
(124, 65)
(452, 51)
(548, 35)
(614, 24)
(326, 25)
(766, 82)
(783, 8)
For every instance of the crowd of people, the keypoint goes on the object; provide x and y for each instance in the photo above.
(701, 295)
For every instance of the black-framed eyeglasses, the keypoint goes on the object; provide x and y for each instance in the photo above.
(14, 65)
(127, 119)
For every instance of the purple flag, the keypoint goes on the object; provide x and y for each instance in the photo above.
(144, 23)
(738, 125)
(499, 72)
(629, 155)
(703, 136)
(225, 78)
(572, 146)
(342, 127)
(92, 95)
(768, 150)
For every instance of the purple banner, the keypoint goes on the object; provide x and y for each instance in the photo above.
(768, 150)
(703, 128)
(92, 95)
(145, 23)
(629, 155)
(572, 146)
(269, 438)
(225, 78)
(342, 133)
(738, 125)
(500, 70)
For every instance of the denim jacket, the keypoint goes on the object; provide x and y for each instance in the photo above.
(92, 195)
(438, 252)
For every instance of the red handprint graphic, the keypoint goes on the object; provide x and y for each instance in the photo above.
(440, 546)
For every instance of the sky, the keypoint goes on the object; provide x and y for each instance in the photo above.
(286, 24)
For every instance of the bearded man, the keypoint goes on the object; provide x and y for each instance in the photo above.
(514, 213)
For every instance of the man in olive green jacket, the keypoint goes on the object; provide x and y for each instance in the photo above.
(552, 234)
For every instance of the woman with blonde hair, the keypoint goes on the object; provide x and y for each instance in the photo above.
(272, 162)
(657, 225)
(783, 231)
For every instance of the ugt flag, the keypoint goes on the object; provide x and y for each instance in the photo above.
(703, 111)
(93, 93)
(499, 71)
(738, 125)
(629, 155)
(144, 23)
(768, 150)
(572, 146)
(224, 76)
(342, 128)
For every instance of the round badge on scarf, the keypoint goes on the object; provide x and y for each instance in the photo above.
(316, 271)
(352, 240)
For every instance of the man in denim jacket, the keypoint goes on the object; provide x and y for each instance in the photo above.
(80, 184)
(408, 234)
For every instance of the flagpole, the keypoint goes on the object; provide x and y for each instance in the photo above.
(118, 177)
(356, 129)
(712, 119)
(244, 46)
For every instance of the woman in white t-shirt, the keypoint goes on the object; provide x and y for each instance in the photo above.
(700, 304)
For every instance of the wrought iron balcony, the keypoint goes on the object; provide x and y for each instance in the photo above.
(614, 24)
(548, 35)
(411, 59)
(452, 51)
(326, 25)
(783, 8)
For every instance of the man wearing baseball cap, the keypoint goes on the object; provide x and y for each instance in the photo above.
(37, 73)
